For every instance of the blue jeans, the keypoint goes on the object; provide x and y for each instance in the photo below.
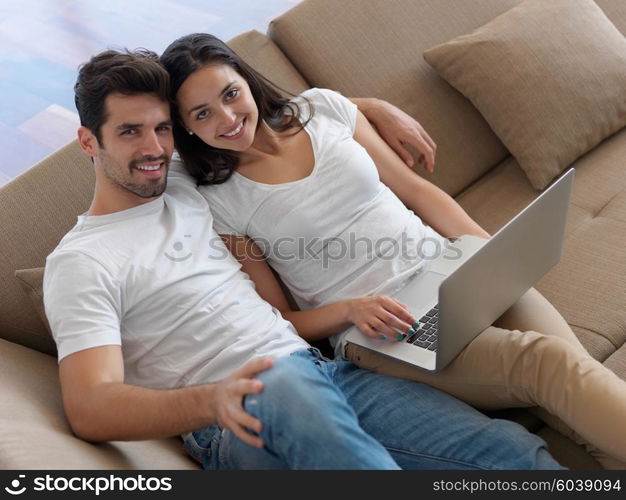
(323, 414)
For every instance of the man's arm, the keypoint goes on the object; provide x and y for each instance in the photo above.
(435, 207)
(100, 407)
(399, 129)
(82, 301)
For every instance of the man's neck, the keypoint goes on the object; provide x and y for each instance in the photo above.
(105, 202)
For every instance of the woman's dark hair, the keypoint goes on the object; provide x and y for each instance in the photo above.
(111, 71)
(209, 165)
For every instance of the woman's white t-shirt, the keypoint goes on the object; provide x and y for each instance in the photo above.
(340, 232)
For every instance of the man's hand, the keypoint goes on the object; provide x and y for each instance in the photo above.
(399, 129)
(229, 394)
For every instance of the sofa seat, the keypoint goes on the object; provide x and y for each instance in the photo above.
(34, 433)
(594, 304)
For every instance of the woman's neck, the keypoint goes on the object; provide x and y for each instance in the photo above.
(267, 144)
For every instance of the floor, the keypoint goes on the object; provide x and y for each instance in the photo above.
(42, 42)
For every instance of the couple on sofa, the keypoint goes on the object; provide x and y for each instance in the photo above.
(159, 331)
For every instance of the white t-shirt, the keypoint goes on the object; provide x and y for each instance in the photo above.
(340, 232)
(157, 280)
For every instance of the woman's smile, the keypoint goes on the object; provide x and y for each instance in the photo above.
(235, 132)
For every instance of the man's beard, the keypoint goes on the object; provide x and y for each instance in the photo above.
(150, 189)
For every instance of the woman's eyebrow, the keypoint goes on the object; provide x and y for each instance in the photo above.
(224, 90)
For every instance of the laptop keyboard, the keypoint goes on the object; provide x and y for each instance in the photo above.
(425, 335)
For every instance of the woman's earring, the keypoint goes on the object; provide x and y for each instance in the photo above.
(189, 132)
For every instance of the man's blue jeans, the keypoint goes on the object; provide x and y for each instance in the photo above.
(322, 414)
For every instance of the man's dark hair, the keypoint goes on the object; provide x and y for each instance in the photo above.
(112, 71)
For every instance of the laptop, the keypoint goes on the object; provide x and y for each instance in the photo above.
(466, 288)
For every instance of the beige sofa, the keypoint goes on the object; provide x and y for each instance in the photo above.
(361, 48)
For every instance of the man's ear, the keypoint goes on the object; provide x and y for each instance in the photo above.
(88, 142)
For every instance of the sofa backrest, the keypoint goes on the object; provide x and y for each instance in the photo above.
(265, 57)
(374, 48)
(36, 210)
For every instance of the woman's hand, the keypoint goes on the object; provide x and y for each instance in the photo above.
(381, 317)
(228, 401)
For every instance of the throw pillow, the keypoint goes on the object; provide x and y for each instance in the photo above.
(32, 282)
(548, 76)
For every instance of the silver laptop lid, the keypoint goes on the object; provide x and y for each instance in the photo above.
(512, 261)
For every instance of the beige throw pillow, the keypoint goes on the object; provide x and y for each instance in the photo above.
(549, 76)
(32, 282)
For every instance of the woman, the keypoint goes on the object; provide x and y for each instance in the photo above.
(287, 179)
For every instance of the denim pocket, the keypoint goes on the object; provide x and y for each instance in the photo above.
(200, 443)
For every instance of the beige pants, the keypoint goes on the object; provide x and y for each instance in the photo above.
(510, 364)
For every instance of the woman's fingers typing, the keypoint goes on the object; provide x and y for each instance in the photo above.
(382, 317)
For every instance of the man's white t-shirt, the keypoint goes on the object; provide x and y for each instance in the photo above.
(157, 280)
(337, 234)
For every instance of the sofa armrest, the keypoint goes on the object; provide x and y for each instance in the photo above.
(34, 433)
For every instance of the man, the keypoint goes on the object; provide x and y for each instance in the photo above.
(159, 333)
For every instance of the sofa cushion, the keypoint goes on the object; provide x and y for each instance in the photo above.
(34, 433)
(549, 77)
(32, 282)
(568, 453)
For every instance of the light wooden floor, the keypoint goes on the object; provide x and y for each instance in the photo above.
(42, 42)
